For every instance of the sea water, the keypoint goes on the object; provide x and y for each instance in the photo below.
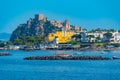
(15, 68)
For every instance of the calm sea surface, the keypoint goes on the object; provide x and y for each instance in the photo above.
(15, 68)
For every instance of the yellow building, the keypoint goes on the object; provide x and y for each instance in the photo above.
(62, 37)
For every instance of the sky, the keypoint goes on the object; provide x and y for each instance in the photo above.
(89, 14)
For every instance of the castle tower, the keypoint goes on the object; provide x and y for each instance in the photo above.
(66, 24)
(66, 27)
(39, 17)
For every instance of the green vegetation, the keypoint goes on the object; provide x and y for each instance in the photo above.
(73, 42)
(90, 36)
(2, 44)
(100, 44)
(108, 35)
(102, 30)
(36, 28)
(116, 45)
(76, 37)
(29, 40)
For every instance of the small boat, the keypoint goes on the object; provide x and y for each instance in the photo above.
(63, 55)
(103, 52)
(116, 57)
(28, 48)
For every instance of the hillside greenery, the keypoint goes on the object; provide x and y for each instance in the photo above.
(29, 40)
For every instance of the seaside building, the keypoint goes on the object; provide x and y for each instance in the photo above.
(63, 36)
(13, 47)
(115, 38)
(56, 40)
(92, 36)
(97, 36)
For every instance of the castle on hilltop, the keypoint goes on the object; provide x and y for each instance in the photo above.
(62, 36)
(39, 17)
(41, 26)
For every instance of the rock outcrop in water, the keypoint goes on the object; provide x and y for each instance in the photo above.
(67, 58)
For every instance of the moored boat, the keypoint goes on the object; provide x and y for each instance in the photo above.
(63, 55)
(116, 57)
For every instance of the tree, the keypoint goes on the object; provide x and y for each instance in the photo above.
(2, 44)
(98, 39)
(18, 42)
(29, 40)
(77, 37)
(108, 35)
(112, 30)
(90, 36)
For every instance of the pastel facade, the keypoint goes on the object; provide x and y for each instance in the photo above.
(97, 34)
(61, 38)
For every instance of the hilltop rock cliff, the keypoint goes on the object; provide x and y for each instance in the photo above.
(41, 26)
(38, 26)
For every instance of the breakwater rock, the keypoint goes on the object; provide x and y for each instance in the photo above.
(4, 54)
(67, 58)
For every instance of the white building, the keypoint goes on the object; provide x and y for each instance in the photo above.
(13, 47)
(56, 40)
(115, 38)
(97, 34)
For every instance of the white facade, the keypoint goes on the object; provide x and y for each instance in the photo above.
(115, 38)
(97, 34)
(13, 47)
(56, 40)
(92, 39)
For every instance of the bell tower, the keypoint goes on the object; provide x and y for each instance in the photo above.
(66, 27)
